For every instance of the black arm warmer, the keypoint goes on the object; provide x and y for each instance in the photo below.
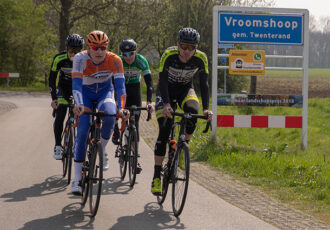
(52, 84)
(163, 86)
(150, 87)
(204, 85)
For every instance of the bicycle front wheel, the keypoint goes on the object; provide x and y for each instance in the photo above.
(164, 177)
(180, 178)
(122, 156)
(132, 156)
(64, 143)
(95, 178)
(70, 153)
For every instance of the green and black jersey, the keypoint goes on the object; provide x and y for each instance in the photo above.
(133, 79)
(176, 77)
(62, 64)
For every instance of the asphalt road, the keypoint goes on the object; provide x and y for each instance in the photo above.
(34, 196)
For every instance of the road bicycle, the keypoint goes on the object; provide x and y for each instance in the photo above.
(127, 149)
(172, 171)
(92, 170)
(68, 137)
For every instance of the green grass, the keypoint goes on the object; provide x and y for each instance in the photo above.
(312, 73)
(273, 159)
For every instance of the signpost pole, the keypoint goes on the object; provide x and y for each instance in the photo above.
(214, 71)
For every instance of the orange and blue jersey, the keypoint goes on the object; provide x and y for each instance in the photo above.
(97, 77)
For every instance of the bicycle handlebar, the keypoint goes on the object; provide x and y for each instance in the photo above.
(188, 116)
(135, 108)
(99, 114)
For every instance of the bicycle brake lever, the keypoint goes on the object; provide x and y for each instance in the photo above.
(208, 126)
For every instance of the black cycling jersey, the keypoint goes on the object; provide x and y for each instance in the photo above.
(62, 64)
(175, 76)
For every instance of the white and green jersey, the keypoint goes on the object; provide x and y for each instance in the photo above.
(133, 72)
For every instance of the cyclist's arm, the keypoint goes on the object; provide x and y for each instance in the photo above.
(52, 78)
(203, 78)
(150, 86)
(204, 86)
(77, 79)
(119, 83)
(143, 64)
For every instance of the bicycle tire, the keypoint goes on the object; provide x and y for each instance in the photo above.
(132, 156)
(122, 156)
(64, 143)
(180, 179)
(84, 182)
(164, 177)
(70, 153)
(96, 178)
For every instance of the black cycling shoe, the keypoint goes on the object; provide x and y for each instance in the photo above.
(116, 135)
(138, 168)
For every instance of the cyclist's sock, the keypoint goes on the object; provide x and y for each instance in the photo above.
(157, 171)
(104, 143)
(77, 170)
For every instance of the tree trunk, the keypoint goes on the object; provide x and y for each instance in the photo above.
(64, 27)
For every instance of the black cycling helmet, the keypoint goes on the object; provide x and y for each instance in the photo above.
(188, 35)
(74, 41)
(128, 45)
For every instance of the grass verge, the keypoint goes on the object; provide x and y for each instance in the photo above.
(272, 160)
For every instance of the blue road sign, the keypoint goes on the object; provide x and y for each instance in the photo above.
(274, 29)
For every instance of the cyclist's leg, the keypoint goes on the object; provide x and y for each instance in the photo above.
(80, 144)
(134, 98)
(107, 104)
(190, 104)
(160, 146)
(60, 113)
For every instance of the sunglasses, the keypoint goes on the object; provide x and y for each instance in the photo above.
(128, 54)
(96, 48)
(189, 47)
(73, 51)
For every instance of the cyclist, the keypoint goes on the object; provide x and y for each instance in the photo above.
(178, 66)
(93, 72)
(62, 63)
(134, 64)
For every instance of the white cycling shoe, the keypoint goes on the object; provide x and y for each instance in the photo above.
(105, 162)
(76, 189)
(58, 150)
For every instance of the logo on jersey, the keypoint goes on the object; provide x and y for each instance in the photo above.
(180, 75)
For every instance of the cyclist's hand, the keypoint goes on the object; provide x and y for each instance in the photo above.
(124, 113)
(150, 109)
(78, 110)
(209, 114)
(54, 104)
(167, 111)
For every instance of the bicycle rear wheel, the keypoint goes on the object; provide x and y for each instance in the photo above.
(122, 156)
(95, 178)
(180, 178)
(132, 156)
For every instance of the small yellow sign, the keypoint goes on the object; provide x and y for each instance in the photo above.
(247, 62)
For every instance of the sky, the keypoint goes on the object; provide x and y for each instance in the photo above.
(317, 8)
